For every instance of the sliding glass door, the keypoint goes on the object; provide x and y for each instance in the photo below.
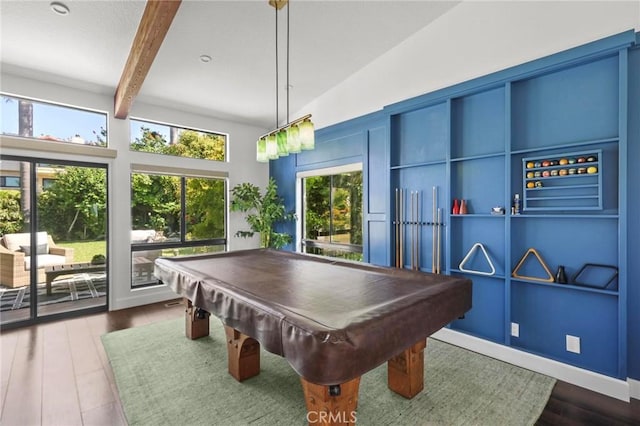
(53, 238)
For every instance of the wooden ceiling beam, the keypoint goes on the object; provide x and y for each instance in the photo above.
(153, 27)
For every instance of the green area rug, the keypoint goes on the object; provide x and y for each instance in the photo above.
(165, 379)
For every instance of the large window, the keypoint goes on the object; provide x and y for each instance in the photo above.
(52, 122)
(332, 212)
(174, 215)
(165, 139)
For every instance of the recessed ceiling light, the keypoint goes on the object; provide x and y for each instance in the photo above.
(59, 8)
(205, 58)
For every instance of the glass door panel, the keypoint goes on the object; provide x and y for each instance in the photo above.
(15, 235)
(70, 257)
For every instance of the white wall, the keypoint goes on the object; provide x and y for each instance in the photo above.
(241, 167)
(473, 39)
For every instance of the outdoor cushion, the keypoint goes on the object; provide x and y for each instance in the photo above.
(13, 241)
(142, 235)
(41, 249)
(45, 260)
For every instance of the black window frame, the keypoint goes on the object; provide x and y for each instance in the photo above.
(329, 246)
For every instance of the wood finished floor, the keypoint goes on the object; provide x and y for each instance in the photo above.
(58, 374)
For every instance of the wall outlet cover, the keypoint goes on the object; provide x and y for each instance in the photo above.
(573, 344)
(515, 329)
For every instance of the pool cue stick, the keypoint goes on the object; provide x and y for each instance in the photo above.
(415, 229)
(433, 234)
(411, 227)
(418, 229)
(413, 238)
(439, 234)
(396, 228)
(402, 228)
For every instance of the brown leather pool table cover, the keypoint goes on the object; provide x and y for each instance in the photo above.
(332, 320)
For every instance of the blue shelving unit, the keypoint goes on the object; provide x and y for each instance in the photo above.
(484, 143)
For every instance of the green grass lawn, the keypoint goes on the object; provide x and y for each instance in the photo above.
(83, 251)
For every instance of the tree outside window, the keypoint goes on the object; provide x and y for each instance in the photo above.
(332, 207)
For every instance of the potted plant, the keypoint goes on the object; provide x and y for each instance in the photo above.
(264, 211)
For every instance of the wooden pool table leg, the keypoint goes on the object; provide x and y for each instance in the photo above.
(196, 321)
(331, 405)
(406, 371)
(243, 354)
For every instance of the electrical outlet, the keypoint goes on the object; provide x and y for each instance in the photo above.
(515, 329)
(573, 344)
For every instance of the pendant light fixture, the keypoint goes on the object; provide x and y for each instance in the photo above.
(296, 135)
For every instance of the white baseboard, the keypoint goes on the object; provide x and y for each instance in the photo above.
(143, 296)
(600, 383)
(634, 388)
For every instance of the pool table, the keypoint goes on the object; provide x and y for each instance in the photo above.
(332, 320)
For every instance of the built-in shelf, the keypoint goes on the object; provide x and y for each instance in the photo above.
(471, 274)
(477, 157)
(566, 145)
(565, 216)
(426, 163)
(558, 286)
(477, 215)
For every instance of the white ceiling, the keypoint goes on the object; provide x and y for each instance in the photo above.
(330, 40)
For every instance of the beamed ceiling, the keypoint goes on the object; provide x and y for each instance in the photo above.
(93, 48)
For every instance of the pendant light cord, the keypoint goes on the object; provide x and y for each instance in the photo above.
(277, 77)
(288, 86)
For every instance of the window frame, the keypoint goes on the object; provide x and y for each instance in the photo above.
(3, 182)
(302, 242)
(43, 144)
(183, 175)
(180, 127)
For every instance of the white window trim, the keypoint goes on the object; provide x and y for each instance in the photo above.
(346, 168)
(177, 171)
(22, 143)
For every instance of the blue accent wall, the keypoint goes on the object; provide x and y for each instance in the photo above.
(472, 141)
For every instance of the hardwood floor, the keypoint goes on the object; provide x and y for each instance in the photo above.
(58, 374)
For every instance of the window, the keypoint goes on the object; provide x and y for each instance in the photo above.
(174, 215)
(47, 183)
(332, 214)
(10, 181)
(52, 122)
(170, 140)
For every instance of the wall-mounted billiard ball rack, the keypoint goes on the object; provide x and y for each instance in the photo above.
(567, 181)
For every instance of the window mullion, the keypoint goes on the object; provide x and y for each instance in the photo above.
(183, 209)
